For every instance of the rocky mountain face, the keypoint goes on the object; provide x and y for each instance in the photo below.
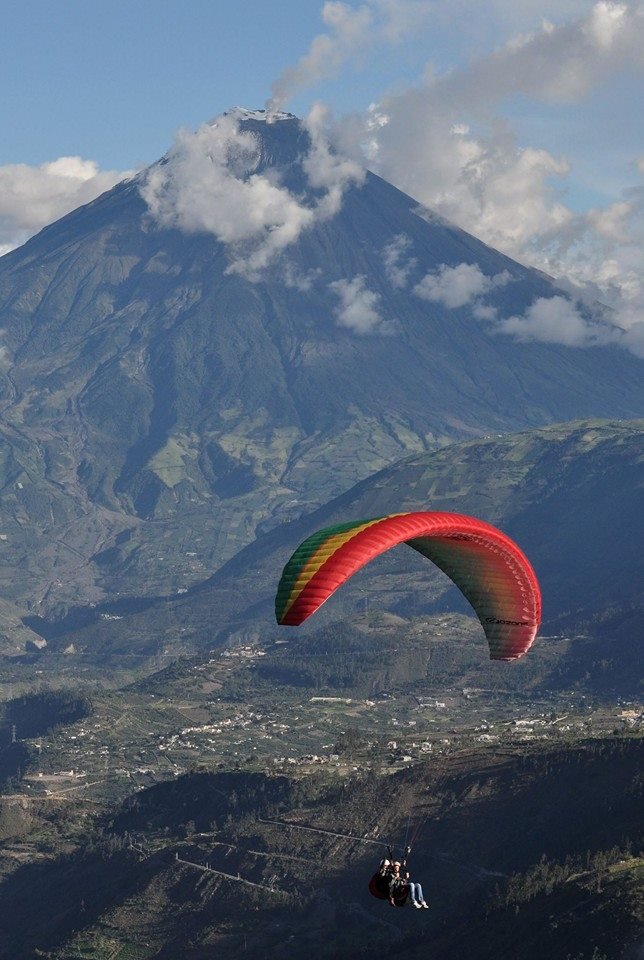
(158, 410)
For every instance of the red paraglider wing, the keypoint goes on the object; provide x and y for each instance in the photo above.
(487, 566)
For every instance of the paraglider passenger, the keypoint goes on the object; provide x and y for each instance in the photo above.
(397, 885)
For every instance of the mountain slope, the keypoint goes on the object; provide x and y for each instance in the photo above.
(569, 494)
(158, 410)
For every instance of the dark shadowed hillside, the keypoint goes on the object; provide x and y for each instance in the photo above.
(519, 852)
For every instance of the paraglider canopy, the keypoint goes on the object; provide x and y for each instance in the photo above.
(487, 566)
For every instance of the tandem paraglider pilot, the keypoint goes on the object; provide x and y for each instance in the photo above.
(392, 882)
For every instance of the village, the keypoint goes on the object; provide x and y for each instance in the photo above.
(162, 734)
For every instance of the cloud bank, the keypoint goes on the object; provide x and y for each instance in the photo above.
(33, 197)
(559, 320)
(556, 319)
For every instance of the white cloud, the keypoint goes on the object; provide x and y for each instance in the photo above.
(559, 320)
(457, 286)
(599, 258)
(32, 197)
(398, 265)
(484, 311)
(551, 320)
(612, 221)
(501, 16)
(325, 168)
(578, 322)
(487, 184)
(605, 23)
(557, 62)
(357, 309)
(209, 183)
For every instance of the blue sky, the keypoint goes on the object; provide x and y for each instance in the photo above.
(113, 81)
(522, 118)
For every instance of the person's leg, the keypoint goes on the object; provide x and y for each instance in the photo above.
(421, 898)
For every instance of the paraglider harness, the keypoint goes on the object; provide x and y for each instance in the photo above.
(379, 885)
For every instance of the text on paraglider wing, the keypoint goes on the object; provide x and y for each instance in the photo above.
(512, 623)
